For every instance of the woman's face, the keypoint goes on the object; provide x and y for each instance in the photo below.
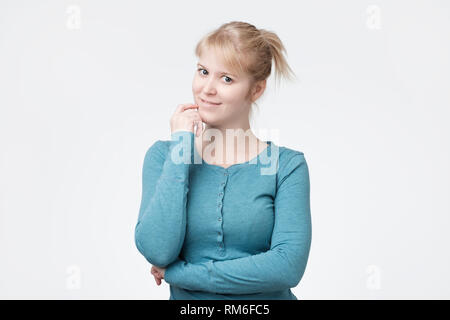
(227, 91)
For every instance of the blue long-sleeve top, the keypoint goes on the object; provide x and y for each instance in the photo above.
(241, 232)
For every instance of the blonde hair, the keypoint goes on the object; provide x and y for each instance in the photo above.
(248, 50)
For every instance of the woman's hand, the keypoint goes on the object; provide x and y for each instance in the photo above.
(184, 119)
(158, 273)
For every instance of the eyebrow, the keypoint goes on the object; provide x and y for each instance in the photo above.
(220, 72)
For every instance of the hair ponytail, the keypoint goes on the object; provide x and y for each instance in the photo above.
(277, 49)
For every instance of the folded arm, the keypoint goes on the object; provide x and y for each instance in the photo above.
(161, 225)
(281, 267)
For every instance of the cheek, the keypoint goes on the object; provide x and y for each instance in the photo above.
(196, 84)
(233, 95)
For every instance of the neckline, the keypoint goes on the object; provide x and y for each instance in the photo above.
(236, 165)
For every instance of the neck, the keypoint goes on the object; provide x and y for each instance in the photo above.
(216, 138)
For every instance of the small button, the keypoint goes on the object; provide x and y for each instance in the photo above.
(219, 233)
(219, 205)
(220, 218)
(223, 183)
(220, 245)
(225, 173)
(221, 194)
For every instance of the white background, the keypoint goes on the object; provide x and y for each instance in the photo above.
(86, 87)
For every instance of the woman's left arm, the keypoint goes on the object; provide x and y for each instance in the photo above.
(282, 266)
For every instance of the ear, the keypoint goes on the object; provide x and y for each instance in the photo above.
(258, 89)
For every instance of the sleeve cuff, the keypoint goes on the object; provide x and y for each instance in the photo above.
(190, 276)
(172, 271)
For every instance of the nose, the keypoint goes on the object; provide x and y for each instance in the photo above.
(209, 87)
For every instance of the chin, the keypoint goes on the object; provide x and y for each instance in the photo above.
(210, 119)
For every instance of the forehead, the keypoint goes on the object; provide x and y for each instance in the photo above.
(213, 59)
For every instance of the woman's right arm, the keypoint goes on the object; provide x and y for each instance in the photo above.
(279, 268)
(161, 226)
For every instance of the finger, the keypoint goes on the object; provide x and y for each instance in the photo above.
(185, 107)
(190, 108)
(156, 274)
(193, 115)
(181, 107)
(199, 128)
(200, 125)
(157, 278)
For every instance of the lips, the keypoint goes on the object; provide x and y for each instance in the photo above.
(210, 102)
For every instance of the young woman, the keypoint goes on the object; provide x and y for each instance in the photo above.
(221, 229)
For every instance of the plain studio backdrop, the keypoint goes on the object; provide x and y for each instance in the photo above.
(86, 87)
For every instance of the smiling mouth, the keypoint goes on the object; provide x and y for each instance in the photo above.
(210, 103)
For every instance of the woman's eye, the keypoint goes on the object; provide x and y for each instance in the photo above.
(201, 69)
(231, 80)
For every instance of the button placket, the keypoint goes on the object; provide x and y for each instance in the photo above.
(221, 192)
(220, 206)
